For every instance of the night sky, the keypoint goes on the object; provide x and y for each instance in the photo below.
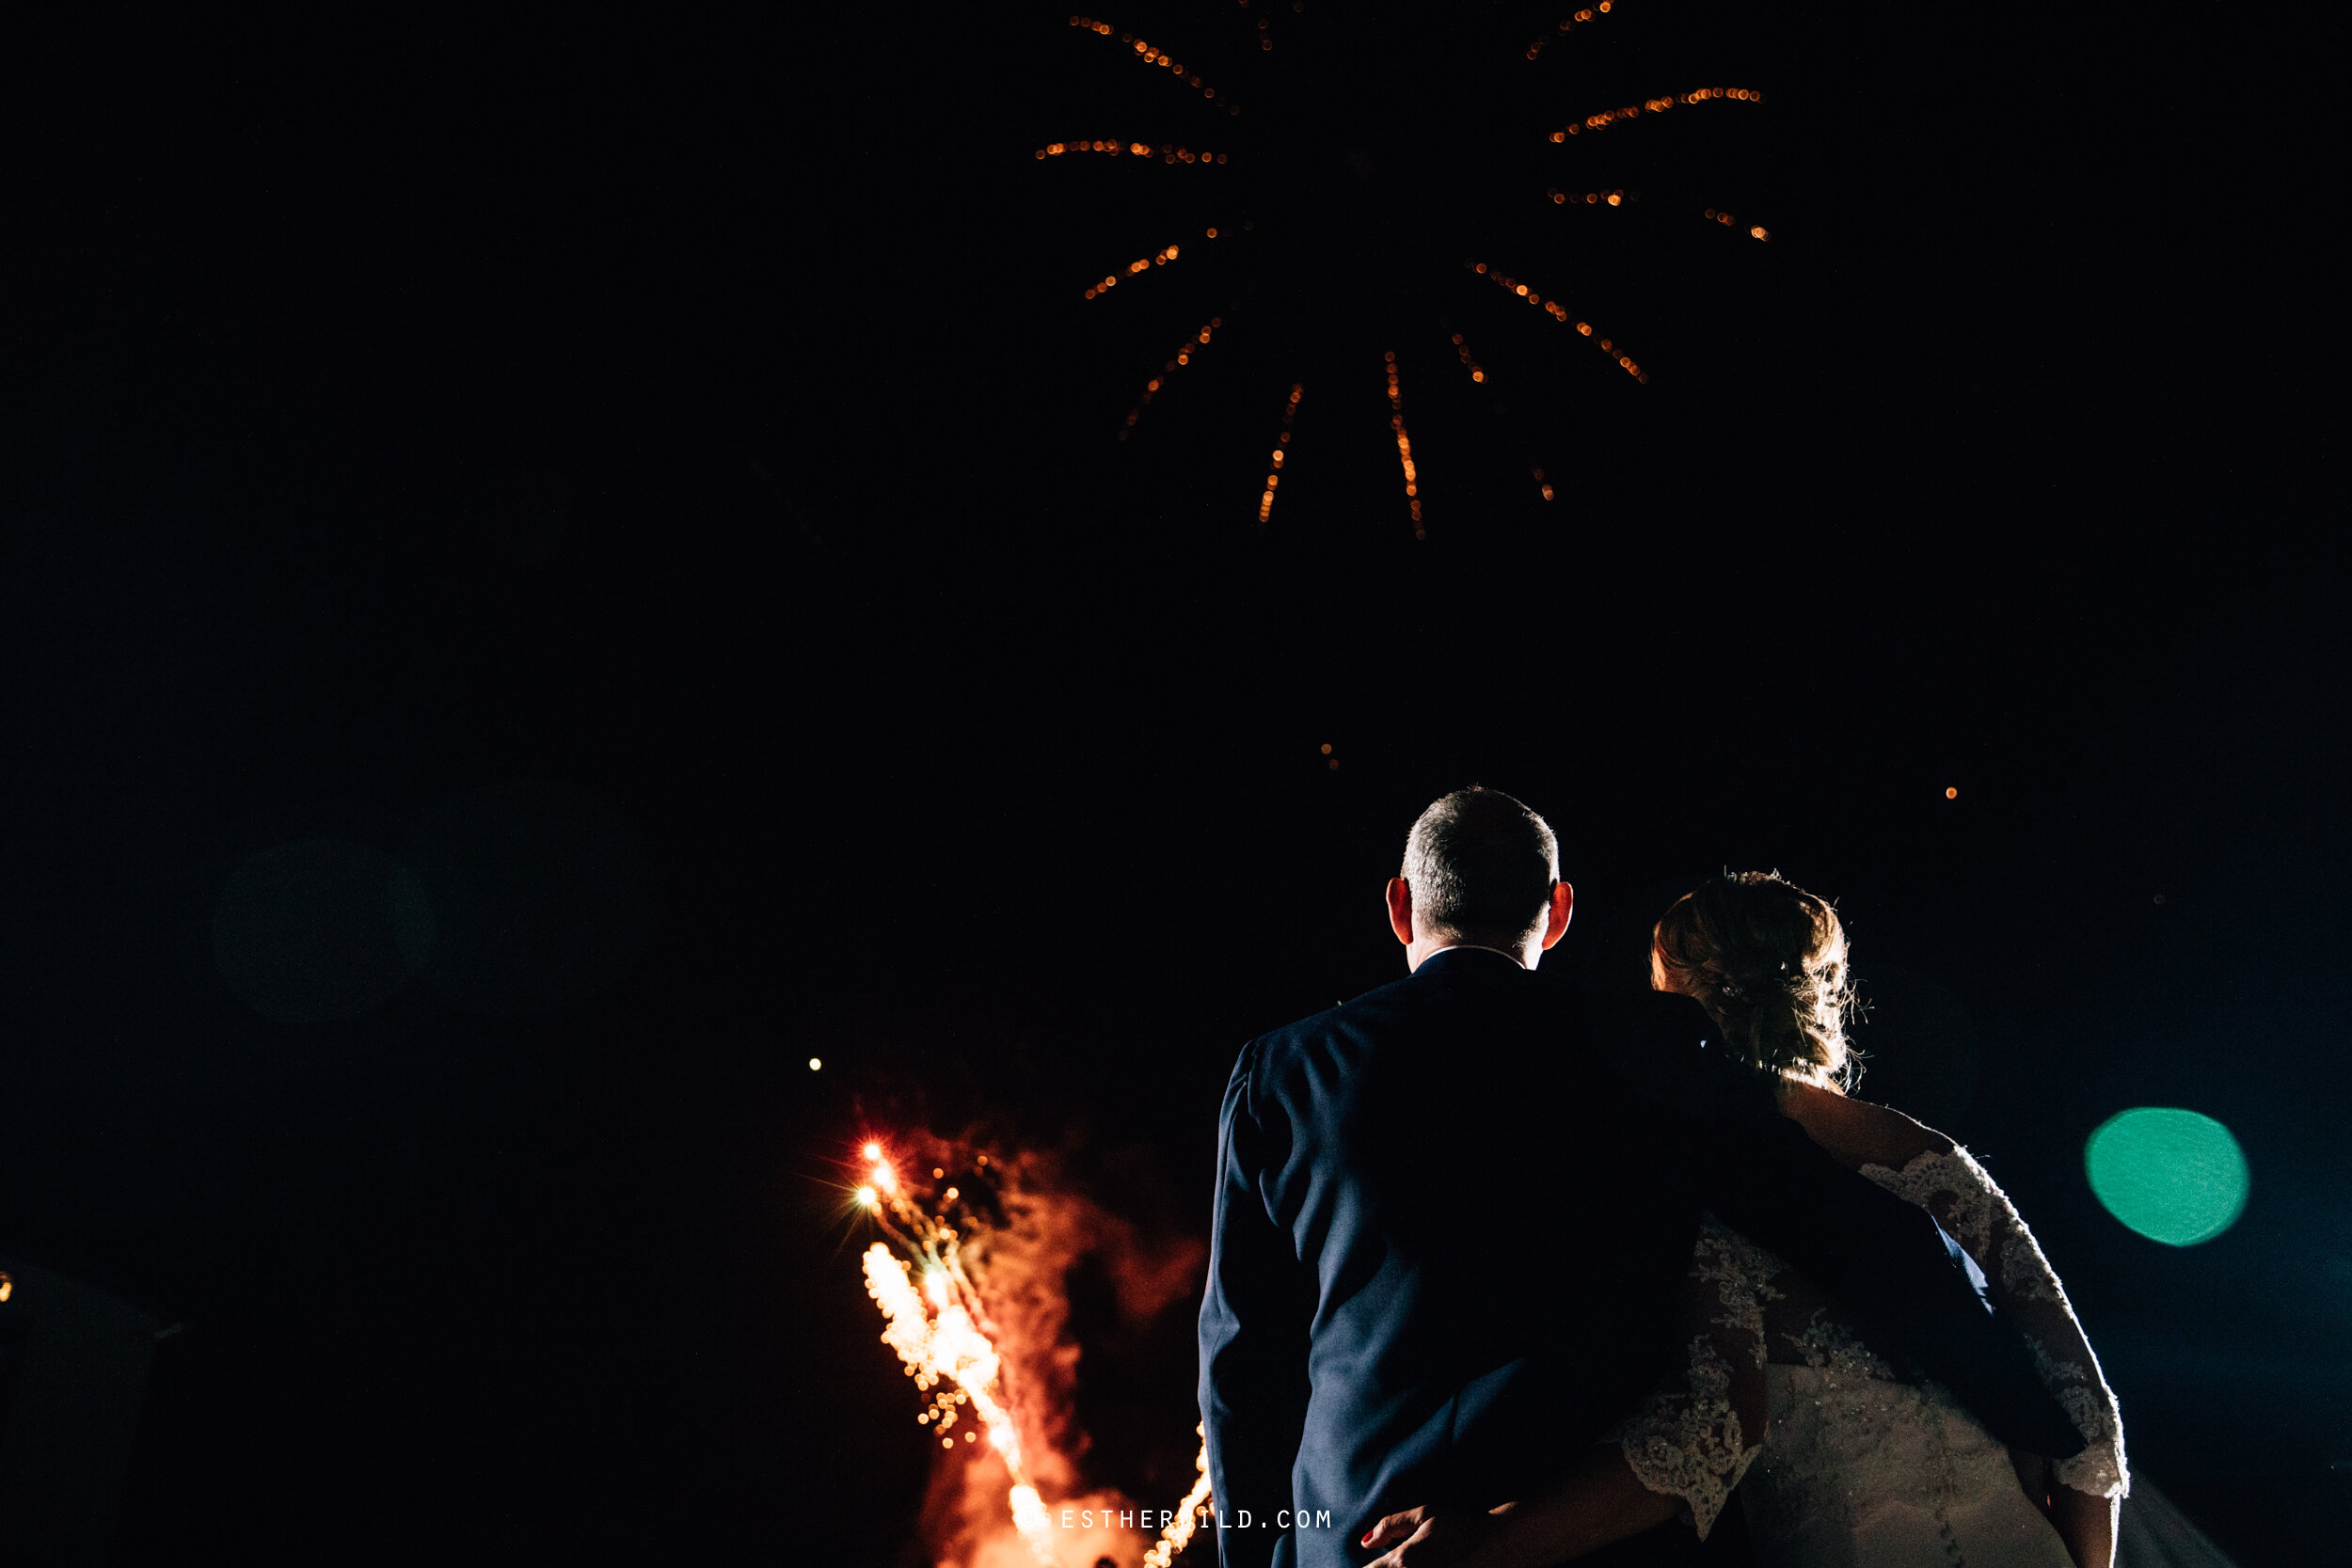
(680, 457)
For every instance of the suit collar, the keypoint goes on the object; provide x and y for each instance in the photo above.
(1466, 957)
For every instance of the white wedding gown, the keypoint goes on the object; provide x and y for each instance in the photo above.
(1861, 1465)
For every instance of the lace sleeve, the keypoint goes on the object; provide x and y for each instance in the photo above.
(1965, 1202)
(1697, 1434)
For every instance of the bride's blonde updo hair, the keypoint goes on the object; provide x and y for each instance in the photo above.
(1767, 962)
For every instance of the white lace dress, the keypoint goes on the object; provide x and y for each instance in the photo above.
(1859, 1464)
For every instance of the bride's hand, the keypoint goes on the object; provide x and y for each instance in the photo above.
(1424, 1538)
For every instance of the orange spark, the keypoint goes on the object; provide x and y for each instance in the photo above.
(1461, 352)
(1559, 313)
(1281, 444)
(1569, 23)
(1184, 356)
(1152, 54)
(1659, 105)
(1165, 153)
(1755, 232)
(1141, 264)
(1404, 444)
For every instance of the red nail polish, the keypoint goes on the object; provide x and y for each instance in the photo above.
(1367, 1539)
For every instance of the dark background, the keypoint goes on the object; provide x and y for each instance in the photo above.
(704, 418)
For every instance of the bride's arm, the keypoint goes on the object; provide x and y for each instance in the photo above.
(1926, 1168)
(2081, 1495)
(2021, 1283)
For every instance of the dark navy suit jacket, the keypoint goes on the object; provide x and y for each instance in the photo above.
(1452, 1219)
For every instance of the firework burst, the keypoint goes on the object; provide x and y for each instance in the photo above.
(1371, 172)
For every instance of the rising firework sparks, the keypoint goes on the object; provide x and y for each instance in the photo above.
(942, 1335)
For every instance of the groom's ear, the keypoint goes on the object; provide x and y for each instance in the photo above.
(1556, 917)
(1401, 910)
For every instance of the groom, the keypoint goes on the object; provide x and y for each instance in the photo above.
(1453, 1216)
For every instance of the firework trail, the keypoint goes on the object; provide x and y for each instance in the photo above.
(931, 1281)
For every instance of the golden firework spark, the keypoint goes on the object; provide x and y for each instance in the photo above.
(1756, 230)
(1403, 446)
(1133, 269)
(1559, 312)
(1461, 349)
(1152, 54)
(1176, 1536)
(1281, 445)
(1569, 25)
(1133, 149)
(1182, 357)
(1659, 105)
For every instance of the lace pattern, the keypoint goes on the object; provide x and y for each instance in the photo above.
(2027, 1274)
(2101, 1468)
(1688, 1443)
(1830, 1346)
(1741, 1273)
(1687, 1440)
(1956, 1190)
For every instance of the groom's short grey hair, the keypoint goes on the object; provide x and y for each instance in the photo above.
(1481, 866)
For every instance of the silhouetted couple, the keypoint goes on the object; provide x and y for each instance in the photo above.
(1504, 1275)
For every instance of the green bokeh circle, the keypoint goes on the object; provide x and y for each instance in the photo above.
(2176, 1177)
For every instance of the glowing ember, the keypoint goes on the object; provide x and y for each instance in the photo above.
(1174, 1538)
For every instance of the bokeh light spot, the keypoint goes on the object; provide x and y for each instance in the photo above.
(2176, 1177)
(319, 929)
(540, 897)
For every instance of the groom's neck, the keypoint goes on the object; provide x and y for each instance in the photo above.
(1423, 947)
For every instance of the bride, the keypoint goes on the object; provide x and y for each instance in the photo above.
(1839, 1454)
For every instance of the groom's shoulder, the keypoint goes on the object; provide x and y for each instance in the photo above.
(1354, 1013)
(1371, 1016)
(1415, 1005)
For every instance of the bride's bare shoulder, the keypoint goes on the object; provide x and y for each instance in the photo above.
(1857, 1132)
